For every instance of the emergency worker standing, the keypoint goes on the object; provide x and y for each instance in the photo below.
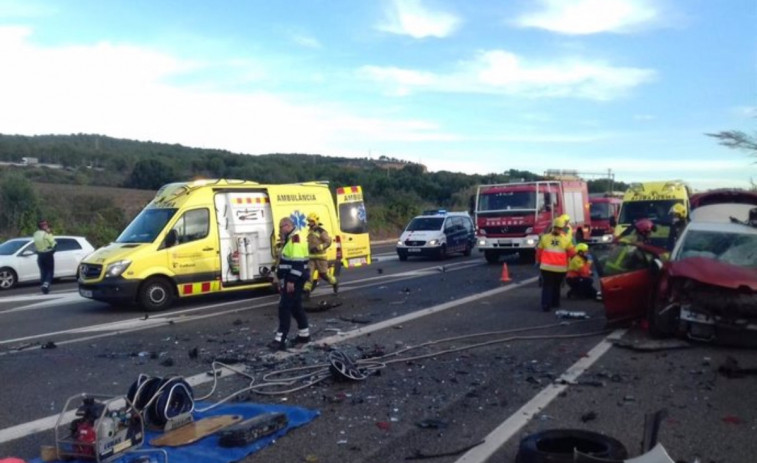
(552, 254)
(44, 243)
(579, 274)
(678, 223)
(318, 242)
(292, 275)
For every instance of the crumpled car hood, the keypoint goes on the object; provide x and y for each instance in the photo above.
(714, 272)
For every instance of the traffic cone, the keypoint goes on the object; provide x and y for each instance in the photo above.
(505, 274)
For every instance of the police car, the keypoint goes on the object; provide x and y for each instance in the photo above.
(437, 234)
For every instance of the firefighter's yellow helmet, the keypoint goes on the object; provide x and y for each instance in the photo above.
(559, 222)
(582, 247)
(313, 217)
(566, 218)
(678, 209)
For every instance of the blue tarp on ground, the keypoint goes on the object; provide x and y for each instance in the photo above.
(207, 450)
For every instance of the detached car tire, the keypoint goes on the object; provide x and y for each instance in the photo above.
(557, 445)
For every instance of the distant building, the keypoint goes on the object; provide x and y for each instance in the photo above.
(29, 161)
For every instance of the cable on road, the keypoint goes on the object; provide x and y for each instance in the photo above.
(291, 380)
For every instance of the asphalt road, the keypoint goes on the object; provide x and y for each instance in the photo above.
(471, 366)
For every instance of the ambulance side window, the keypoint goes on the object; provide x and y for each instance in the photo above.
(193, 225)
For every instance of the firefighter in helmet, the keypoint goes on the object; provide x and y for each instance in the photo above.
(568, 228)
(579, 276)
(640, 232)
(678, 219)
(318, 242)
(552, 255)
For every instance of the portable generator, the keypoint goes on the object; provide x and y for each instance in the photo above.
(103, 427)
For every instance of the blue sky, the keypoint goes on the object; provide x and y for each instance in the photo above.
(474, 86)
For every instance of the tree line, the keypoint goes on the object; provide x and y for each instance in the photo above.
(394, 190)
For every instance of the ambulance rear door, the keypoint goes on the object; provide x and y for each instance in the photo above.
(353, 221)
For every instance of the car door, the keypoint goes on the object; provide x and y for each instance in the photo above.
(26, 263)
(627, 277)
(68, 253)
(194, 257)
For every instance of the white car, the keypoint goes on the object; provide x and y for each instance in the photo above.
(18, 259)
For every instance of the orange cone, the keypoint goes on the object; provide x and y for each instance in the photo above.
(505, 274)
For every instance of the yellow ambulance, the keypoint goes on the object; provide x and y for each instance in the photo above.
(216, 236)
(652, 200)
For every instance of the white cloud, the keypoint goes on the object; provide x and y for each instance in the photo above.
(503, 72)
(307, 41)
(411, 17)
(746, 111)
(127, 92)
(581, 17)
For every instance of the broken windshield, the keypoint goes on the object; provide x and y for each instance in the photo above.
(731, 248)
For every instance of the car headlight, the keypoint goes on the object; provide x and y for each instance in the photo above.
(399, 243)
(433, 243)
(117, 268)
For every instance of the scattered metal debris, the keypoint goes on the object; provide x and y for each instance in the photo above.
(731, 369)
(431, 423)
(419, 455)
(651, 345)
(571, 314)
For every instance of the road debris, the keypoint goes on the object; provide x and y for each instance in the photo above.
(569, 314)
(419, 455)
(731, 369)
(651, 345)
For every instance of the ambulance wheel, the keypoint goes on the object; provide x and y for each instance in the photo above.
(155, 294)
(442, 252)
(402, 255)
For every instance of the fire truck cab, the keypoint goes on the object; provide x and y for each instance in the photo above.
(510, 217)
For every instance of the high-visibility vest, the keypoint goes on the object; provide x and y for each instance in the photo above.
(553, 252)
(294, 257)
(579, 267)
(43, 241)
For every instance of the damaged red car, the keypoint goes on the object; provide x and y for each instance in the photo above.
(706, 290)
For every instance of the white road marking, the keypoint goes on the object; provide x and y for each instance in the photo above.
(45, 300)
(180, 316)
(47, 423)
(505, 431)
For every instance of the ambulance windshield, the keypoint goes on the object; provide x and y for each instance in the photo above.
(147, 225)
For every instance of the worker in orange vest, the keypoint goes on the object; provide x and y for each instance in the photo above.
(552, 254)
(579, 278)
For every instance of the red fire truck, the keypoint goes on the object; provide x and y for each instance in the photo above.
(511, 216)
